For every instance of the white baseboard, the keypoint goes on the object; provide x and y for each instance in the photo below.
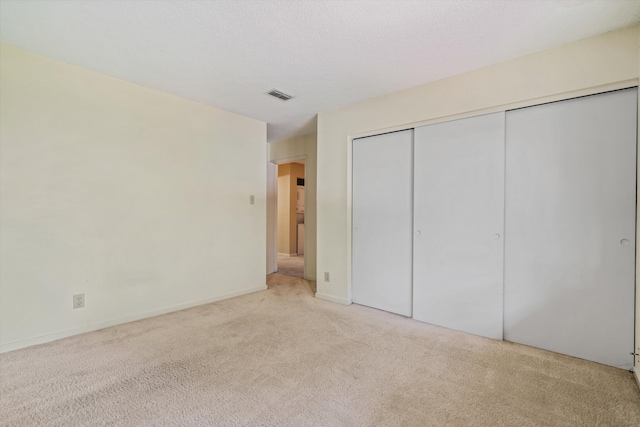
(331, 298)
(290, 255)
(15, 345)
(635, 375)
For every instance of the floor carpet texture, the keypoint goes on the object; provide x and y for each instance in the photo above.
(291, 266)
(280, 357)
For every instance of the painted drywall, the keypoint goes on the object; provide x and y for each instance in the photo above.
(297, 171)
(301, 147)
(605, 62)
(138, 199)
(636, 365)
(272, 214)
(284, 210)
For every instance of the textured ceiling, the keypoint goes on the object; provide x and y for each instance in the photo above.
(326, 53)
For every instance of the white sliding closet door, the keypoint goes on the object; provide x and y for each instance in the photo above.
(459, 222)
(570, 226)
(382, 221)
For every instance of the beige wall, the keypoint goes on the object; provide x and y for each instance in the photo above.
(284, 207)
(272, 218)
(138, 199)
(297, 171)
(301, 147)
(605, 62)
(636, 365)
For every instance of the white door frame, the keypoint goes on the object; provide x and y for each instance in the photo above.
(272, 241)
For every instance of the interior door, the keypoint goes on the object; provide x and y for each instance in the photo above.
(570, 226)
(459, 224)
(382, 221)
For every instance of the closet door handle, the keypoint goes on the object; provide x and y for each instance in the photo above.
(418, 233)
(496, 236)
(625, 242)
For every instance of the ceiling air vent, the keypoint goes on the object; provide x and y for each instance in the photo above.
(279, 94)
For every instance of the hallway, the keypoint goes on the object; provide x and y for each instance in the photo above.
(291, 266)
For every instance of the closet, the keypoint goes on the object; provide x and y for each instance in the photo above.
(517, 225)
(382, 222)
(459, 223)
(570, 227)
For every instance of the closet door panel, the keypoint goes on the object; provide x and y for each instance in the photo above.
(382, 221)
(459, 224)
(570, 226)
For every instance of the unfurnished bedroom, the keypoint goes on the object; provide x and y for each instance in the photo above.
(319, 213)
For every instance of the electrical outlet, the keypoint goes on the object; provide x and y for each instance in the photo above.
(78, 301)
(327, 278)
(252, 199)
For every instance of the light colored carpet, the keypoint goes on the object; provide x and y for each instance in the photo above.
(291, 266)
(282, 358)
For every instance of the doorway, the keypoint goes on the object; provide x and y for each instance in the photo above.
(290, 218)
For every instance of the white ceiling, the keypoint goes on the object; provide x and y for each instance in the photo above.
(326, 53)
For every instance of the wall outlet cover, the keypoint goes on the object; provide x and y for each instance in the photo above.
(78, 301)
